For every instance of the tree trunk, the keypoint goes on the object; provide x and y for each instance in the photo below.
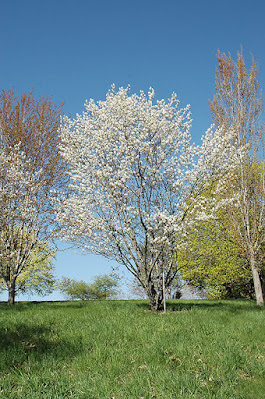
(257, 281)
(11, 292)
(228, 289)
(155, 298)
(156, 304)
(263, 284)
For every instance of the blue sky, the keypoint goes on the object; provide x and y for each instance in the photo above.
(74, 50)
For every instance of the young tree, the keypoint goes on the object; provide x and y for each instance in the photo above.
(105, 287)
(30, 168)
(74, 290)
(237, 105)
(132, 170)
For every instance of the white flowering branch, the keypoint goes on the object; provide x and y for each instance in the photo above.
(133, 169)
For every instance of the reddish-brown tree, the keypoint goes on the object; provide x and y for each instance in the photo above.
(31, 170)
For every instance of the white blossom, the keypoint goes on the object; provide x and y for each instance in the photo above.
(26, 211)
(135, 175)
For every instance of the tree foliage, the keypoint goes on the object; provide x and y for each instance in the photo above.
(132, 169)
(237, 105)
(103, 287)
(37, 276)
(213, 261)
(30, 168)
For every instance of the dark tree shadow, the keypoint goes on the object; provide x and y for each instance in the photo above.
(20, 341)
(178, 305)
(26, 305)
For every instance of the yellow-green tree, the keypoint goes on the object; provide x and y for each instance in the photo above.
(36, 275)
(212, 256)
(211, 259)
(103, 287)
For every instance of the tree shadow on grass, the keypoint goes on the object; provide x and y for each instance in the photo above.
(20, 341)
(230, 306)
(21, 306)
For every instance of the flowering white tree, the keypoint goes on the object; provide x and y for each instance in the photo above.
(133, 169)
(22, 222)
(30, 167)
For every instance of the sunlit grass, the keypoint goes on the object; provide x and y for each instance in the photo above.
(118, 349)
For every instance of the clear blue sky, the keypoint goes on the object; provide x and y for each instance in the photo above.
(74, 50)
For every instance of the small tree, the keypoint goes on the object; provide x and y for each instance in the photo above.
(73, 289)
(104, 287)
(132, 170)
(30, 169)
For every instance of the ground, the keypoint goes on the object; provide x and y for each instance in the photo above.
(119, 349)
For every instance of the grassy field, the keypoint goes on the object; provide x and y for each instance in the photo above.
(118, 349)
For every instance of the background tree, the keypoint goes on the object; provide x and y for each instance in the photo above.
(103, 287)
(132, 170)
(135, 289)
(30, 168)
(237, 104)
(73, 289)
(211, 258)
(37, 276)
(213, 261)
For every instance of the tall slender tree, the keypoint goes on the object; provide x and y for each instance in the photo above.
(237, 105)
(30, 168)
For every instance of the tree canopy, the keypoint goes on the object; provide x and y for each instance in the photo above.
(37, 275)
(237, 105)
(132, 169)
(32, 171)
(103, 287)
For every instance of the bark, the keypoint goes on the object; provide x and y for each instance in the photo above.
(228, 289)
(257, 281)
(11, 292)
(263, 284)
(155, 298)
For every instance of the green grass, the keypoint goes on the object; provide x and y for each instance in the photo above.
(118, 349)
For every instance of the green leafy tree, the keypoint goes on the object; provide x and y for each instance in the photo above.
(212, 260)
(103, 287)
(211, 255)
(72, 289)
(37, 274)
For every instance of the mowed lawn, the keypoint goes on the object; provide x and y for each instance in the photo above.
(119, 349)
